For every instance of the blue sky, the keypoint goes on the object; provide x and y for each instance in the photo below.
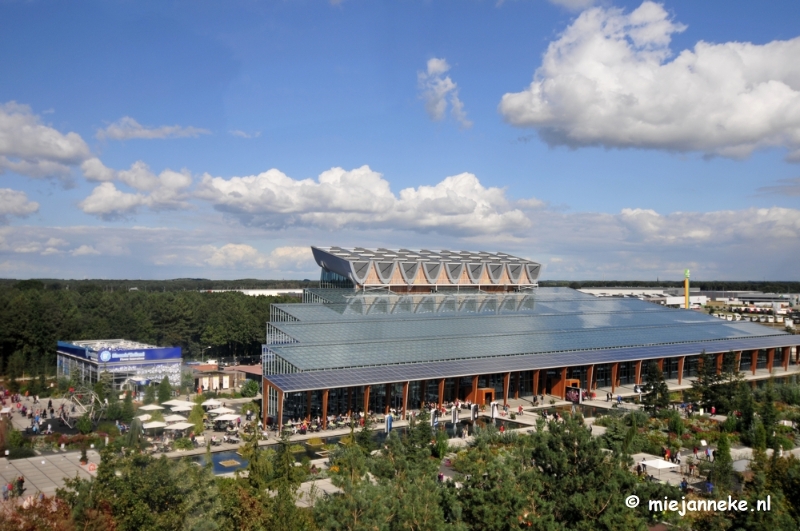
(607, 140)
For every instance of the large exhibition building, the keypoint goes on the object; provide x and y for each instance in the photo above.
(397, 328)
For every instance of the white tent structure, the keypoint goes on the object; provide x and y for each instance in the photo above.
(175, 418)
(151, 407)
(180, 426)
(227, 416)
(660, 465)
(177, 402)
(178, 409)
(154, 424)
(144, 418)
(221, 411)
(211, 402)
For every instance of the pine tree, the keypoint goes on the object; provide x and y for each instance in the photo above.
(656, 392)
(149, 394)
(127, 407)
(723, 464)
(164, 390)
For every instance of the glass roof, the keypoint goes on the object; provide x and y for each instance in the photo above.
(360, 329)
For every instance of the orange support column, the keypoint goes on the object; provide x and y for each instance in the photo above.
(614, 370)
(474, 389)
(264, 402)
(753, 361)
(737, 360)
(770, 359)
(661, 364)
(719, 363)
(405, 401)
(590, 378)
(563, 383)
(680, 369)
(441, 392)
(366, 400)
(787, 353)
(280, 410)
(535, 383)
(639, 372)
(325, 409)
(506, 382)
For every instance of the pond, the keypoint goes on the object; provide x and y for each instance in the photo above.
(217, 459)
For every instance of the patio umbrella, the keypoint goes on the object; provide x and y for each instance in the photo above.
(221, 410)
(150, 407)
(227, 416)
(155, 424)
(144, 418)
(180, 426)
(177, 402)
(211, 402)
(174, 418)
(178, 409)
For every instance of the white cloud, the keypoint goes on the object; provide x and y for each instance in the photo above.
(436, 89)
(85, 250)
(31, 148)
(362, 198)
(243, 134)
(167, 190)
(609, 80)
(15, 203)
(126, 128)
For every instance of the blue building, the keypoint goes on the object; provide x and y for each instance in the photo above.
(129, 362)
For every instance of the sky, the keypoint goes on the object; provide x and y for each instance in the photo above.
(205, 139)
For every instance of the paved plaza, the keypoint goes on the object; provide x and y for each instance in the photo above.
(45, 474)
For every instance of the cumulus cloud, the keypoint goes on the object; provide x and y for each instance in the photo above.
(234, 255)
(362, 198)
(612, 80)
(165, 191)
(437, 90)
(126, 128)
(84, 250)
(31, 148)
(15, 203)
(244, 134)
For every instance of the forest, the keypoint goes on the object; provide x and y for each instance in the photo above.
(34, 315)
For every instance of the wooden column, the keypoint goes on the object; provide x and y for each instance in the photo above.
(737, 360)
(366, 400)
(404, 413)
(680, 368)
(770, 359)
(264, 402)
(590, 379)
(787, 353)
(506, 382)
(387, 398)
(639, 372)
(423, 391)
(661, 364)
(280, 410)
(441, 392)
(516, 387)
(535, 383)
(475, 389)
(719, 363)
(753, 360)
(563, 393)
(614, 369)
(325, 409)
(308, 405)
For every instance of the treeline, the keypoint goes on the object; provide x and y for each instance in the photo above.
(178, 284)
(705, 285)
(33, 319)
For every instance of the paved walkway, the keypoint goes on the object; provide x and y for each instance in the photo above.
(45, 474)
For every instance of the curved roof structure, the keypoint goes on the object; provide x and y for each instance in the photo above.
(427, 269)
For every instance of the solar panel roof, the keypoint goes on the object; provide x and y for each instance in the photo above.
(379, 333)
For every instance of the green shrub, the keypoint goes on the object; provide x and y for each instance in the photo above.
(183, 444)
(250, 388)
(84, 424)
(108, 428)
(21, 453)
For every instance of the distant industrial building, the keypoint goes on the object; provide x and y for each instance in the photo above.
(129, 362)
